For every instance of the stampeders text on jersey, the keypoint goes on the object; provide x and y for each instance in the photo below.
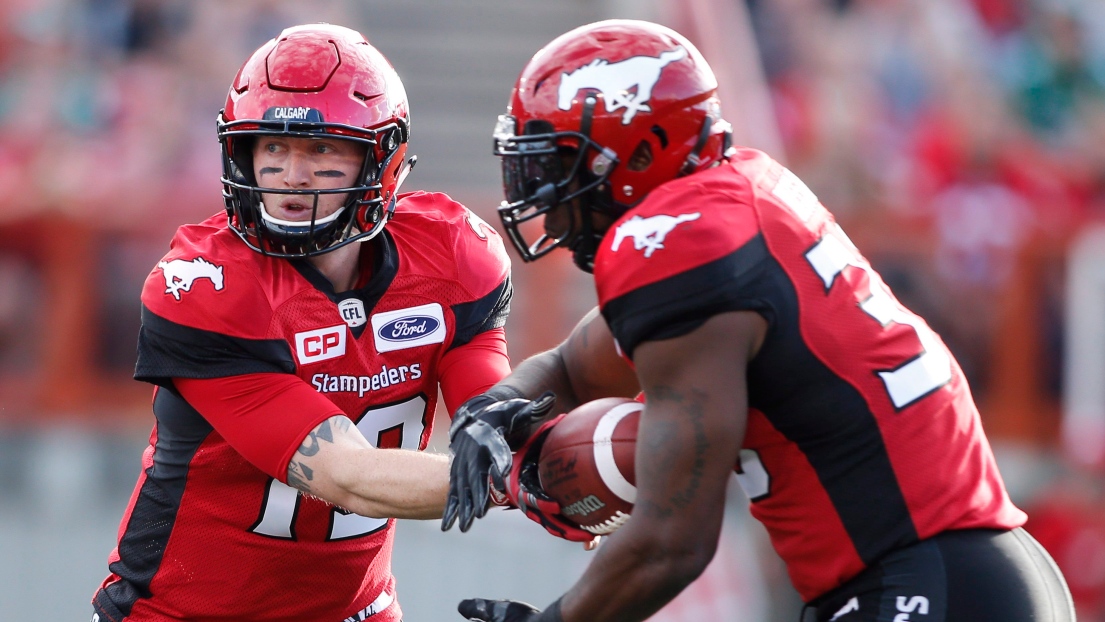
(325, 383)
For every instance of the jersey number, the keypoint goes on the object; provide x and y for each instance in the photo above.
(916, 377)
(397, 425)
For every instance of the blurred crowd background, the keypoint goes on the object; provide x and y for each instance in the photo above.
(961, 143)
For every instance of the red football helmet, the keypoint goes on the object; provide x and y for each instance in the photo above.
(601, 116)
(315, 79)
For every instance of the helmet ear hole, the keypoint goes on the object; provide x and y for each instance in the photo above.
(661, 134)
(641, 158)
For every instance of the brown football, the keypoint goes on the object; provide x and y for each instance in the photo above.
(586, 463)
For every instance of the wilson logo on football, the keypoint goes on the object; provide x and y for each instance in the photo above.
(320, 344)
(180, 275)
(625, 84)
(648, 233)
(408, 328)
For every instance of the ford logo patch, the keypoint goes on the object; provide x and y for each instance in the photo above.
(408, 328)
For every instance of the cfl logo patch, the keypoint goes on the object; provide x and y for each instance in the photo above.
(321, 344)
(352, 311)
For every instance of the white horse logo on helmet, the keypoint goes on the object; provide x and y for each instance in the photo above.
(180, 274)
(625, 84)
(649, 233)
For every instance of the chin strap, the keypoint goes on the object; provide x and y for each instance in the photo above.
(583, 255)
(405, 170)
(583, 251)
(408, 166)
(587, 115)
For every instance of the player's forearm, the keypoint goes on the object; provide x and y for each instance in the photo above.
(543, 372)
(336, 463)
(584, 367)
(689, 437)
(667, 543)
(395, 483)
(631, 578)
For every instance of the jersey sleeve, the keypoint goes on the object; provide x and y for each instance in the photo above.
(240, 409)
(693, 252)
(205, 315)
(483, 270)
(473, 368)
(488, 312)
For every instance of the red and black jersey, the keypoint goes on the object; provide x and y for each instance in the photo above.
(212, 531)
(862, 434)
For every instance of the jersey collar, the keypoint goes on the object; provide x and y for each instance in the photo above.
(385, 266)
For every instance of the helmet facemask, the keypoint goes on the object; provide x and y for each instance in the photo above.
(361, 216)
(544, 169)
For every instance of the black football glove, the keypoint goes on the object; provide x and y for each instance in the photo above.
(483, 433)
(484, 610)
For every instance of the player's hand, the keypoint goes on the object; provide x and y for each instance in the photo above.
(524, 490)
(485, 610)
(481, 437)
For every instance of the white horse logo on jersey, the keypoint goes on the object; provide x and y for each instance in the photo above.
(180, 274)
(649, 233)
(625, 84)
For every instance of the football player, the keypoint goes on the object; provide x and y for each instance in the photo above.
(765, 345)
(297, 343)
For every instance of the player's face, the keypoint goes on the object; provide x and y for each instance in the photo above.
(565, 220)
(562, 220)
(289, 163)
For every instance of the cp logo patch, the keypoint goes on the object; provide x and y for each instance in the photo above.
(320, 344)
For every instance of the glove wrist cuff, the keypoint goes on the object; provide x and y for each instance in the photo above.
(466, 414)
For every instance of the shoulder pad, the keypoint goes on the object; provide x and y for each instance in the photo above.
(679, 226)
(210, 280)
(462, 244)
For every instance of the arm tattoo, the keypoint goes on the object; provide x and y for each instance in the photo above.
(311, 445)
(691, 408)
(323, 432)
(299, 474)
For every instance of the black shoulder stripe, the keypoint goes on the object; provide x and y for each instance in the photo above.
(180, 432)
(167, 349)
(681, 303)
(482, 314)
